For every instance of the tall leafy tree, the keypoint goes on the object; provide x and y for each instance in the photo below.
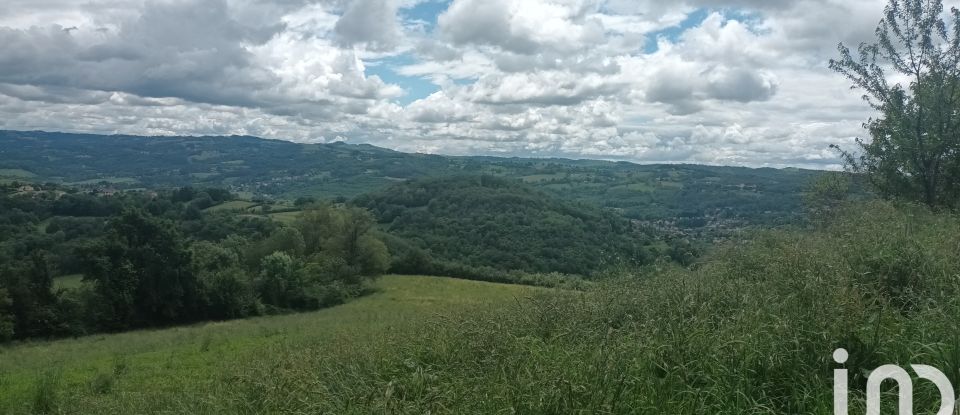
(347, 233)
(143, 273)
(914, 152)
(224, 289)
(33, 303)
(281, 282)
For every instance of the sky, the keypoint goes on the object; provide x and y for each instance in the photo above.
(725, 82)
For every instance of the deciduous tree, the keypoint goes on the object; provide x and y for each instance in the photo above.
(914, 151)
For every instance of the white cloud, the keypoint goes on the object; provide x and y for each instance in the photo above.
(522, 26)
(746, 85)
(370, 22)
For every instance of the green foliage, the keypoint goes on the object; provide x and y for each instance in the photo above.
(903, 253)
(33, 303)
(371, 256)
(201, 368)
(142, 273)
(343, 232)
(304, 201)
(7, 318)
(495, 223)
(915, 148)
(225, 290)
(286, 239)
(45, 395)
(102, 383)
(281, 282)
(750, 330)
(826, 194)
(716, 201)
(145, 260)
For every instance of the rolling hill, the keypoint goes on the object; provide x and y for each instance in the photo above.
(684, 198)
(485, 221)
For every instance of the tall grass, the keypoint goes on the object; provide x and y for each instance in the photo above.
(45, 393)
(748, 330)
(185, 369)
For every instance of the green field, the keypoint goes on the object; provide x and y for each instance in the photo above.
(110, 180)
(178, 369)
(17, 173)
(285, 217)
(203, 176)
(534, 178)
(232, 205)
(68, 281)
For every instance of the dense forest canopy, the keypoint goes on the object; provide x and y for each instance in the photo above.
(485, 221)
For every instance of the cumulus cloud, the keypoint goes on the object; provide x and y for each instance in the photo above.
(439, 108)
(176, 49)
(740, 82)
(371, 22)
(542, 88)
(522, 26)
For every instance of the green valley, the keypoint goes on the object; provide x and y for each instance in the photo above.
(691, 199)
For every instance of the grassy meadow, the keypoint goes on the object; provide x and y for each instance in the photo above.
(749, 329)
(16, 173)
(180, 369)
(233, 205)
(68, 282)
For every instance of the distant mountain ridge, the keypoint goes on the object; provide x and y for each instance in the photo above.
(699, 195)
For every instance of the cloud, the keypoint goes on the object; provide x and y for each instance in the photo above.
(522, 26)
(541, 88)
(54, 94)
(741, 85)
(740, 82)
(190, 50)
(439, 108)
(370, 22)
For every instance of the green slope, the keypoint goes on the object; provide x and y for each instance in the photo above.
(485, 221)
(179, 369)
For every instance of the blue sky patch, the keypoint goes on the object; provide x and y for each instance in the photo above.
(750, 19)
(673, 33)
(426, 12)
(414, 87)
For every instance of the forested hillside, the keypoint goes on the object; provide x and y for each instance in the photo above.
(685, 199)
(485, 221)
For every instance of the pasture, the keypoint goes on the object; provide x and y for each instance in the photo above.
(180, 369)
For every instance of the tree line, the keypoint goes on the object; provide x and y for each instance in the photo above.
(157, 260)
